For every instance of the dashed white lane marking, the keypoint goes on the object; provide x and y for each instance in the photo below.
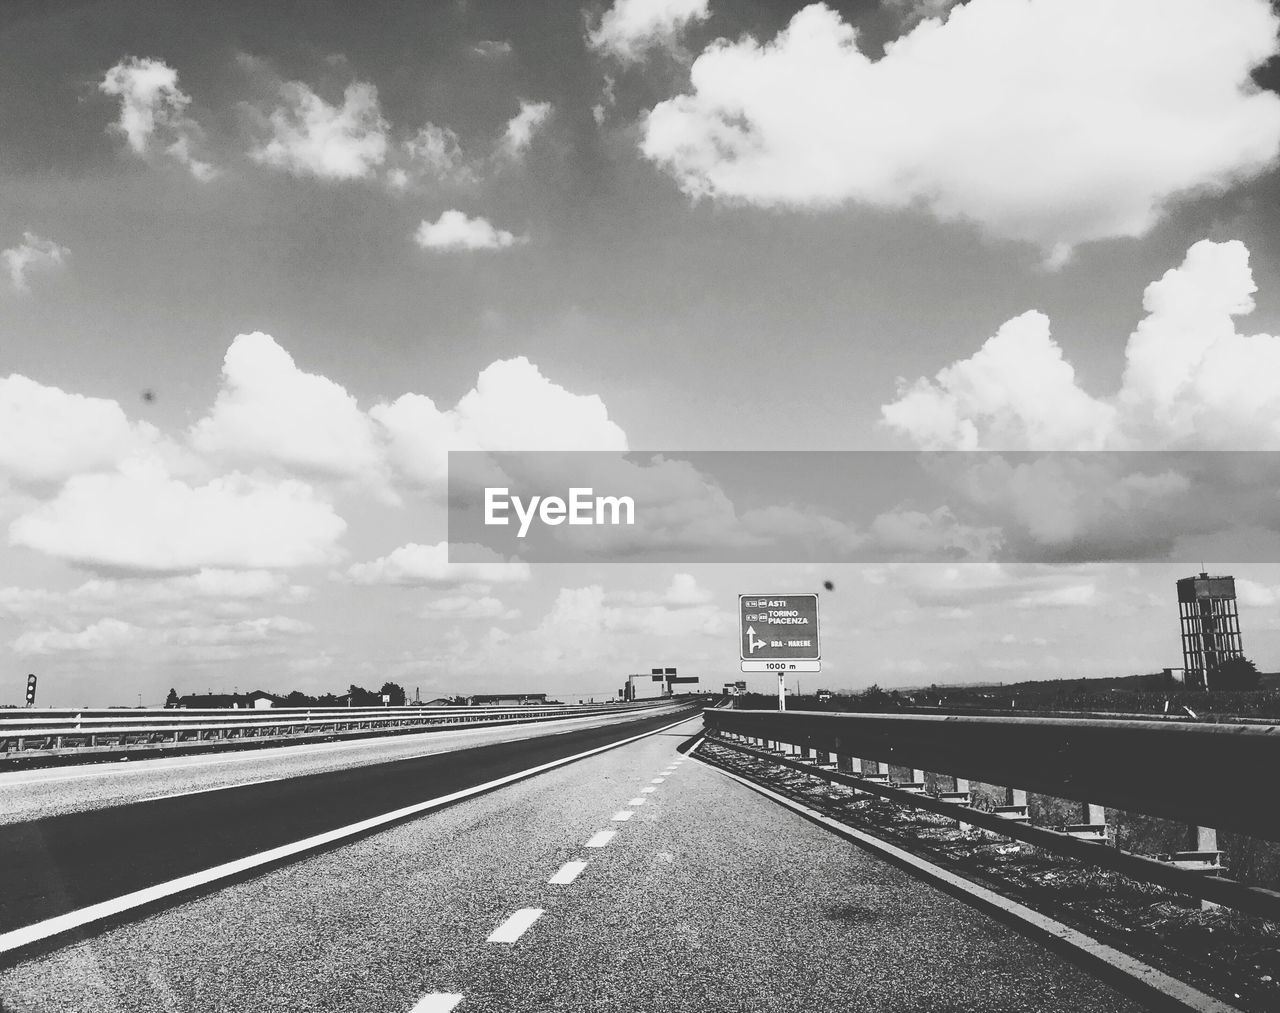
(567, 874)
(648, 791)
(623, 816)
(657, 780)
(515, 926)
(638, 801)
(50, 927)
(437, 1002)
(602, 838)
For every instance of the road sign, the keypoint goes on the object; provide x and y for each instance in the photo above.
(780, 666)
(779, 633)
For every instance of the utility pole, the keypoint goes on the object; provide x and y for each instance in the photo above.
(782, 692)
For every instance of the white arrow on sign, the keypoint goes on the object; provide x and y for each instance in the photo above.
(752, 642)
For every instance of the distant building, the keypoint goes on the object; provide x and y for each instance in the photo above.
(258, 699)
(1210, 626)
(508, 699)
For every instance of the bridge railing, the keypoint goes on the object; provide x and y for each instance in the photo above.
(1209, 777)
(30, 734)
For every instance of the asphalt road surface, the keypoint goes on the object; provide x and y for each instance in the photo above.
(633, 880)
(50, 791)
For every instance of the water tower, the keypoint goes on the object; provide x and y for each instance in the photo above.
(1210, 625)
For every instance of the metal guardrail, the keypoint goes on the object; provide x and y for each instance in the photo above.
(35, 733)
(1210, 775)
(1204, 776)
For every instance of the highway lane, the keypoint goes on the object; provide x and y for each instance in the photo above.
(66, 862)
(51, 791)
(707, 897)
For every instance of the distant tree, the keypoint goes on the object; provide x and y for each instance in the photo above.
(1233, 674)
(394, 691)
(299, 699)
(361, 697)
(172, 699)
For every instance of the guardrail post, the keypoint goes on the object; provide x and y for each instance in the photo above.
(962, 784)
(1203, 841)
(1092, 825)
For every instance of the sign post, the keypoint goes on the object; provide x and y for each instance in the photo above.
(779, 633)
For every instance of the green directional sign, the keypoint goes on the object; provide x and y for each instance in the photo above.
(779, 633)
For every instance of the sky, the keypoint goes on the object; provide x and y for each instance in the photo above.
(265, 265)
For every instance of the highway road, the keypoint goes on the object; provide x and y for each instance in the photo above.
(632, 879)
(30, 794)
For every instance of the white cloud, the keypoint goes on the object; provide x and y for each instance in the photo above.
(50, 434)
(1055, 122)
(933, 534)
(455, 231)
(1071, 596)
(492, 48)
(269, 410)
(428, 565)
(310, 137)
(631, 27)
(911, 12)
(32, 254)
(435, 152)
(141, 519)
(522, 127)
(1255, 595)
(221, 587)
(512, 407)
(1191, 379)
(115, 637)
(467, 607)
(683, 592)
(153, 113)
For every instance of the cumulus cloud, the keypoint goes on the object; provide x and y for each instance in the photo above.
(511, 407)
(521, 127)
(455, 231)
(1055, 122)
(270, 411)
(50, 435)
(465, 606)
(630, 28)
(153, 113)
(1191, 379)
(141, 519)
(311, 137)
(428, 565)
(32, 254)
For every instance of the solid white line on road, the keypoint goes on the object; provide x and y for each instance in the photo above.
(567, 874)
(16, 938)
(648, 791)
(515, 926)
(657, 780)
(602, 838)
(622, 817)
(638, 801)
(437, 1002)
